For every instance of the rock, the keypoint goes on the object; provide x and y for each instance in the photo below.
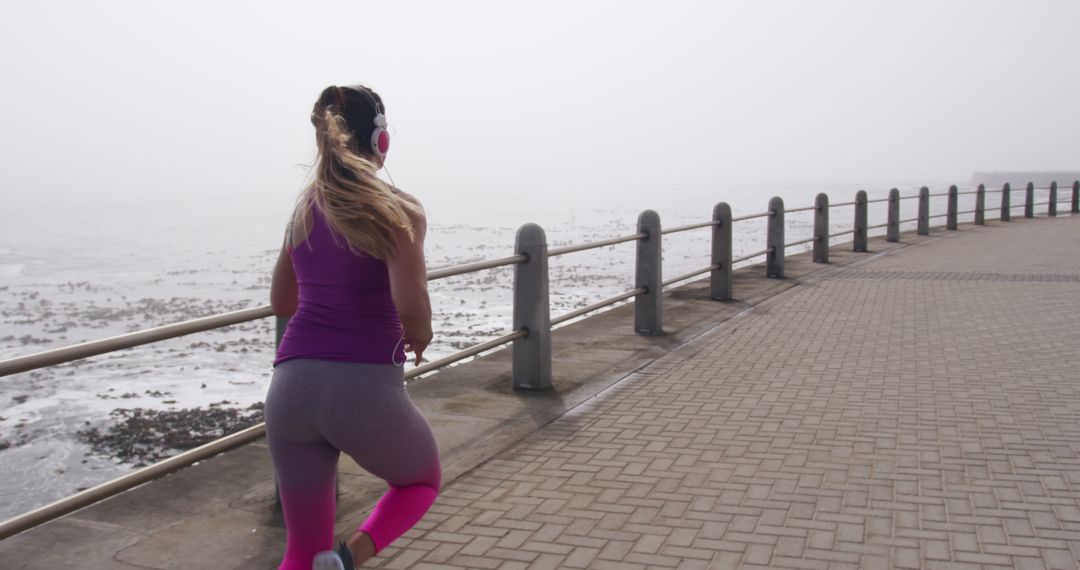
(141, 436)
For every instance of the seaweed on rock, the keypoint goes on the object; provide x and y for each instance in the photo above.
(141, 436)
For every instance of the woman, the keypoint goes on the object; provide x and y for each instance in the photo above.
(351, 275)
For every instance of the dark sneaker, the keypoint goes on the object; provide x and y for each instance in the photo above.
(345, 555)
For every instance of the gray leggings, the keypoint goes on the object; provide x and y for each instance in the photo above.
(316, 409)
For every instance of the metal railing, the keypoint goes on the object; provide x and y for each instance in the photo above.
(474, 267)
(532, 323)
(93, 348)
(593, 245)
(751, 256)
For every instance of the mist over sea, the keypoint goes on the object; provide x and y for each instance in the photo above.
(70, 275)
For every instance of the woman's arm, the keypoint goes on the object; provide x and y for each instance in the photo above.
(283, 289)
(408, 283)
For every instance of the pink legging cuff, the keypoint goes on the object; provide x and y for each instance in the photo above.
(396, 512)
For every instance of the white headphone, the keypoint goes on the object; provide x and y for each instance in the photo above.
(380, 138)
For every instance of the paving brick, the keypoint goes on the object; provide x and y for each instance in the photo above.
(547, 547)
(653, 560)
(442, 553)
(1059, 559)
(474, 562)
(405, 559)
(547, 562)
(516, 555)
(758, 554)
(1024, 563)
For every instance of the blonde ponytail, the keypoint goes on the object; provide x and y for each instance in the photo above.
(356, 204)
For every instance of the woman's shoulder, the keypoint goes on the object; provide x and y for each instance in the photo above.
(406, 196)
(415, 209)
(301, 223)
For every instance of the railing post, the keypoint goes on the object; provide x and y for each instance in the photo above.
(774, 260)
(1006, 201)
(1029, 201)
(531, 368)
(720, 276)
(924, 212)
(892, 232)
(950, 219)
(860, 221)
(821, 228)
(1076, 197)
(1052, 210)
(649, 306)
(980, 205)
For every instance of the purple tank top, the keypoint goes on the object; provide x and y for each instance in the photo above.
(345, 311)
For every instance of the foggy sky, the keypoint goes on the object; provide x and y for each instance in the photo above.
(531, 101)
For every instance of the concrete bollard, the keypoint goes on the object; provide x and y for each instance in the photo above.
(649, 306)
(774, 259)
(1076, 197)
(1006, 203)
(720, 276)
(1029, 201)
(892, 232)
(980, 205)
(950, 219)
(924, 212)
(280, 325)
(821, 228)
(1052, 209)
(860, 221)
(531, 368)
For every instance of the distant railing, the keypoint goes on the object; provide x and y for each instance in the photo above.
(532, 323)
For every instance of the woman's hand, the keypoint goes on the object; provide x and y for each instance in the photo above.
(416, 347)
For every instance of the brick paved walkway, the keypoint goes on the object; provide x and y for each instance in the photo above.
(919, 410)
